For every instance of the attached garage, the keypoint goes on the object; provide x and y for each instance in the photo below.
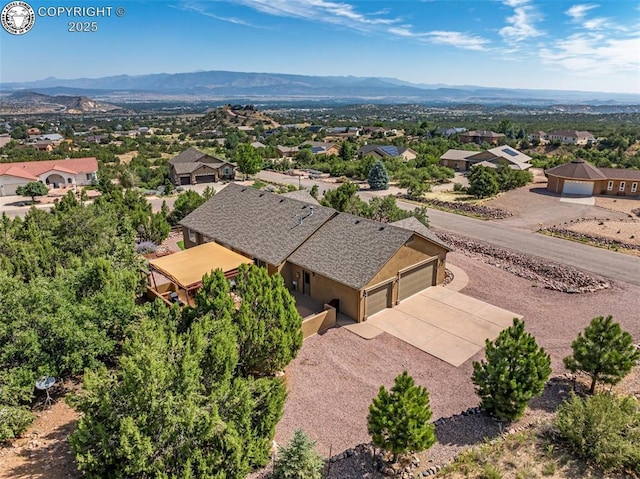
(185, 180)
(378, 298)
(205, 178)
(417, 279)
(573, 187)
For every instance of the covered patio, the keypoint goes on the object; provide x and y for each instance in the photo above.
(183, 271)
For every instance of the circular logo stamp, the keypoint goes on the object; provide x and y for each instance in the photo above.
(17, 18)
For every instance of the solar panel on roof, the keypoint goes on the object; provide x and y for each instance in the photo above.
(392, 150)
(509, 151)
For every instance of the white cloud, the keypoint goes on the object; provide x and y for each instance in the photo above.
(521, 23)
(578, 12)
(198, 8)
(457, 39)
(337, 13)
(594, 53)
(515, 3)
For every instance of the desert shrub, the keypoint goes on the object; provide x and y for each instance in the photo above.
(146, 247)
(603, 429)
(13, 422)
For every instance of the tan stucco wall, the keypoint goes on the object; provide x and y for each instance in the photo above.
(319, 322)
(323, 289)
(554, 184)
(601, 188)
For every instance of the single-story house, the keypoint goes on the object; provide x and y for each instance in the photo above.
(539, 135)
(571, 137)
(387, 151)
(42, 145)
(480, 137)
(53, 173)
(322, 148)
(463, 160)
(451, 131)
(581, 178)
(193, 167)
(286, 151)
(362, 266)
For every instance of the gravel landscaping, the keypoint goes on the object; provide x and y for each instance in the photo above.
(336, 375)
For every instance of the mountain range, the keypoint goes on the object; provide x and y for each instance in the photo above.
(226, 84)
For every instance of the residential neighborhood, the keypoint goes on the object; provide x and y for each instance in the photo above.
(406, 247)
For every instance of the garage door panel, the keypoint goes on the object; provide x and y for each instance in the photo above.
(416, 280)
(577, 188)
(378, 299)
(205, 178)
(185, 180)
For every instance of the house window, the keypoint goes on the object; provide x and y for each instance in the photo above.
(622, 185)
(260, 263)
(634, 187)
(610, 186)
(192, 236)
(69, 180)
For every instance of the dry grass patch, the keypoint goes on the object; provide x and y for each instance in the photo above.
(524, 455)
(126, 158)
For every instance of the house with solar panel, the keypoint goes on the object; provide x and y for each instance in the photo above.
(463, 160)
(380, 152)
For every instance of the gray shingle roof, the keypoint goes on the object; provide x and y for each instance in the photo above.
(260, 224)
(413, 224)
(350, 250)
(185, 168)
(190, 155)
(301, 195)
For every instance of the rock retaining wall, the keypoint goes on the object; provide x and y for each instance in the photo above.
(546, 273)
(482, 211)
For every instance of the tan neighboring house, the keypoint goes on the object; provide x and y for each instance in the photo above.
(322, 148)
(53, 173)
(582, 178)
(571, 137)
(360, 265)
(192, 167)
(479, 137)
(540, 135)
(387, 151)
(463, 160)
(286, 151)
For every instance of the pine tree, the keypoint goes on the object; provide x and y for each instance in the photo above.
(267, 321)
(398, 421)
(515, 370)
(378, 177)
(604, 352)
(298, 460)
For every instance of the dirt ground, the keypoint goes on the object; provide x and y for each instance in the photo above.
(624, 205)
(625, 231)
(336, 374)
(44, 452)
(534, 207)
(126, 158)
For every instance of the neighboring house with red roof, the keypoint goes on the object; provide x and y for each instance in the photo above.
(53, 173)
(582, 178)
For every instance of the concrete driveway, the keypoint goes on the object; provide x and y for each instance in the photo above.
(446, 324)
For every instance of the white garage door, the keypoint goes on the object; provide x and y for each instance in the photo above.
(577, 188)
(378, 298)
(8, 190)
(417, 279)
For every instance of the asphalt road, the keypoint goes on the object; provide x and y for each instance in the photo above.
(610, 264)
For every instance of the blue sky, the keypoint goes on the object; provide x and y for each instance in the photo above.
(510, 43)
